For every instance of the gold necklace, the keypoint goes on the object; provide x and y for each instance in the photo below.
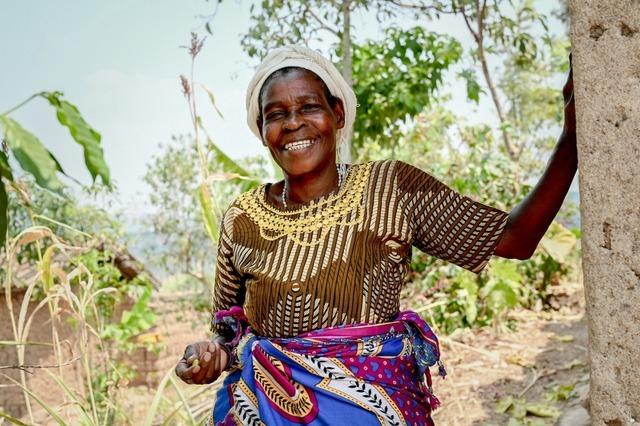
(341, 169)
(313, 221)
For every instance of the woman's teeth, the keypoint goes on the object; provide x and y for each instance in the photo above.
(297, 145)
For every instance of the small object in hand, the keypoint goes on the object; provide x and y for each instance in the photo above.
(193, 361)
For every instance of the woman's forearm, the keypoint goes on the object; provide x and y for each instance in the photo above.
(529, 220)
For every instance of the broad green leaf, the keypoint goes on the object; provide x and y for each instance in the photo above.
(32, 155)
(5, 172)
(559, 393)
(5, 169)
(208, 215)
(504, 404)
(473, 87)
(519, 409)
(558, 242)
(90, 140)
(230, 166)
(45, 269)
(506, 271)
(502, 296)
(469, 294)
(471, 311)
(542, 410)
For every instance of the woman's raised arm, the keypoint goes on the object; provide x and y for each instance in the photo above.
(529, 220)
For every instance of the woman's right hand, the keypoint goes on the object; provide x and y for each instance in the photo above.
(202, 363)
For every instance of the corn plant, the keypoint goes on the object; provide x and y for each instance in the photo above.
(35, 159)
(229, 169)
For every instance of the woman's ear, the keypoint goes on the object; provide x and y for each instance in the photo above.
(338, 110)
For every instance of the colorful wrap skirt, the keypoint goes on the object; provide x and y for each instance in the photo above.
(354, 374)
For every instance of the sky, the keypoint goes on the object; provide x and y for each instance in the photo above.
(119, 62)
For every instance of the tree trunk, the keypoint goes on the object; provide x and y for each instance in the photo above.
(606, 59)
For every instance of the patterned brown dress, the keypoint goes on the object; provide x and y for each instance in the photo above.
(343, 258)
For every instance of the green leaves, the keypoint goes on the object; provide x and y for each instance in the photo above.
(501, 291)
(90, 140)
(467, 295)
(231, 167)
(558, 242)
(139, 319)
(207, 209)
(473, 87)
(4, 219)
(520, 410)
(5, 172)
(35, 159)
(32, 155)
(396, 78)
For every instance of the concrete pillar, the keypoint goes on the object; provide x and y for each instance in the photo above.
(606, 58)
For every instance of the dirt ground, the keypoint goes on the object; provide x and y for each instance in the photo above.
(527, 377)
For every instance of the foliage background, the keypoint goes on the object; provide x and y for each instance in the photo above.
(479, 106)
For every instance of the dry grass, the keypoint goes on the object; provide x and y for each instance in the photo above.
(77, 400)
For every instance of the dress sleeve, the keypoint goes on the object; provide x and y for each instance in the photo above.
(228, 288)
(445, 223)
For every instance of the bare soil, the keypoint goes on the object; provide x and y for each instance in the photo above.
(542, 364)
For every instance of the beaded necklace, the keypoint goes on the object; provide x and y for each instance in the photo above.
(340, 168)
(309, 224)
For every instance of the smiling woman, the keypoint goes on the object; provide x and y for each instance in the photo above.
(298, 121)
(306, 314)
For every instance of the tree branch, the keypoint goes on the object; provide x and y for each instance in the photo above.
(468, 24)
(320, 22)
(420, 7)
(479, 37)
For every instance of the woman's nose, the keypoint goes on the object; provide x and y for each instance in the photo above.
(292, 121)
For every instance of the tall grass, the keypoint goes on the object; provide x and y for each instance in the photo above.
(69, 295)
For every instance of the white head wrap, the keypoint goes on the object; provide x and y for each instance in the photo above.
(303, 57)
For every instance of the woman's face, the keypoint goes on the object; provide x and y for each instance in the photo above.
(299, 124)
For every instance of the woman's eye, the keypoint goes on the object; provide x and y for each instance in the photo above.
(275, 115)
(310, 107)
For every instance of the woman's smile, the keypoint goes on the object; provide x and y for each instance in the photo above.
(300, 145)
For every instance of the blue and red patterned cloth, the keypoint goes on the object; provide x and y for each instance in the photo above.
(361, 374)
